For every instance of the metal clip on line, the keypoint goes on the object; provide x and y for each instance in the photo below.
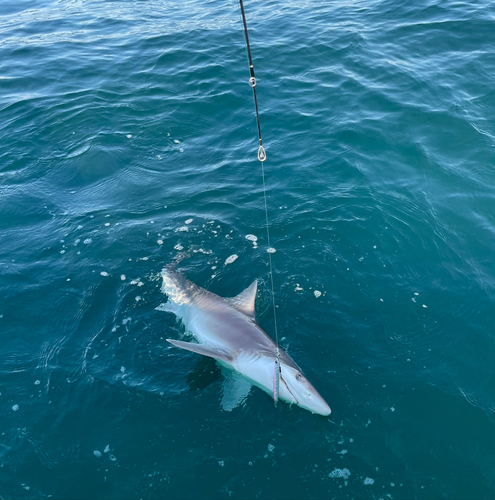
(261, 153)
(276, 379)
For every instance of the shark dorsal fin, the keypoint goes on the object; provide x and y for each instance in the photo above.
(244, 302)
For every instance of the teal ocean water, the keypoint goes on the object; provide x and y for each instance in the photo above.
(128, 141)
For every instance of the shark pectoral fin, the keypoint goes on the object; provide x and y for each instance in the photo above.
(166, 307)
(244, 302)
(235, 389)
(205, 350)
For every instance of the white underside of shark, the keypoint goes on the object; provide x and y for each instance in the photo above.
(226, 330)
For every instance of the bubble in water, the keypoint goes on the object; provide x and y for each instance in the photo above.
(15, 407)
(317, 293)
(188, 221)
(271, 250)
(122, 277)
(178, 247)
(88, 241)
(343, 473)
(104, 273)
(368, 481)
(129, 136)
(231, 259)
(251, 237)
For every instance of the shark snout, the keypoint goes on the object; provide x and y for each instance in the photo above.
(315, 403)
(297, 389)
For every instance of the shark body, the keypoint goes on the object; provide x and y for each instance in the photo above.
(226, 330)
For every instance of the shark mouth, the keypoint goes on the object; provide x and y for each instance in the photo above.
(291, 393)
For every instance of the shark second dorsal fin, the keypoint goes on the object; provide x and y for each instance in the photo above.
(244, 302)
(205, 350)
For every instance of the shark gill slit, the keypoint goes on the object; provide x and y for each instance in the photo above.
(262, 158)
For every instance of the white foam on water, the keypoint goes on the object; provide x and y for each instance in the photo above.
(176, 141)
(271, 447)
(107, 449)
(231, 259)
(317, 293)
(271, 250)
(15, 407)
(79, 227)
(160, 242)
(343, 473)
(368, 481)
(182, 229)
(188, 221)
(77, 242)
(37, 382)
(88, 241)
(122, 277)
(137, 298)
(104, 273)
(251, 237)
(178, 247)
(122, 369)
(97, 453)
(112, 457)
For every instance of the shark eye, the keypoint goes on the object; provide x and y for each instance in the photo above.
(299, 377)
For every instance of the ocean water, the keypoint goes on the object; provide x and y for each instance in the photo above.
(128, 141)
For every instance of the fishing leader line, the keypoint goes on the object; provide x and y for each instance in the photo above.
(262, 158)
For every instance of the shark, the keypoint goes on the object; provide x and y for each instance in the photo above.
(226, 329)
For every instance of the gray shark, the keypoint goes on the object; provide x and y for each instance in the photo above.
(226, 330)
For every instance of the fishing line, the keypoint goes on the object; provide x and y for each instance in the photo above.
(262, 158)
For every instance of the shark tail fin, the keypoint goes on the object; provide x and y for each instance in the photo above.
(206, 350)
(166, 307)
